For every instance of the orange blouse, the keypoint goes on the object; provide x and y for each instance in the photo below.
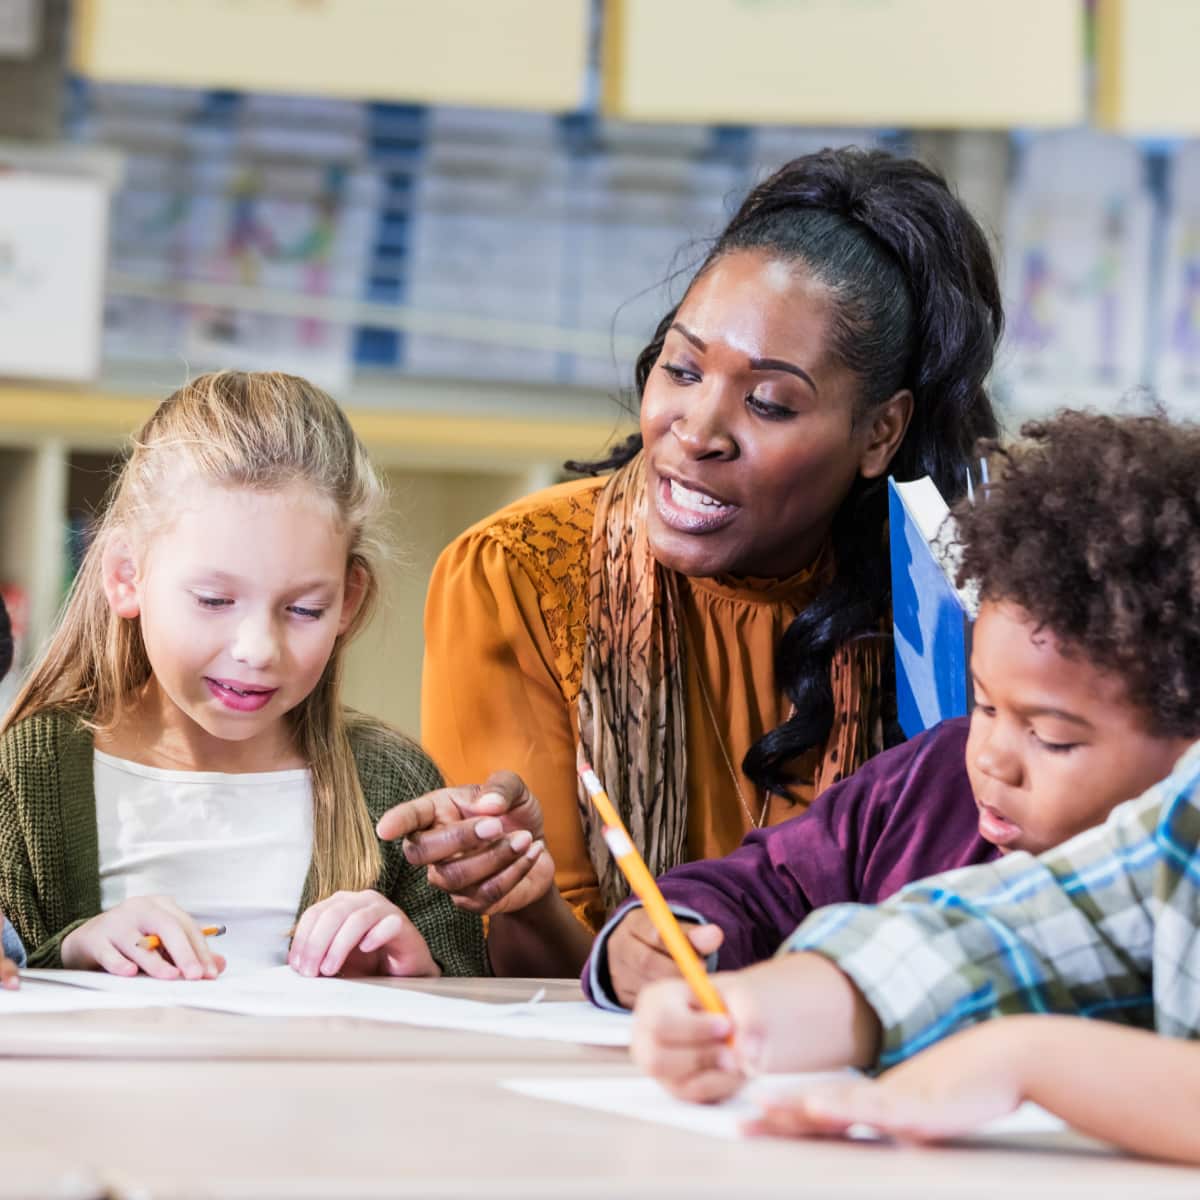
(505, 622)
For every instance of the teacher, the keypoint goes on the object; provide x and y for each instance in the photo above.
(709, 623)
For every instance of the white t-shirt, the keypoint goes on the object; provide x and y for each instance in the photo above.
(231, 850)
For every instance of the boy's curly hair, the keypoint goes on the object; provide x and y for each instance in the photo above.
(1092, 526)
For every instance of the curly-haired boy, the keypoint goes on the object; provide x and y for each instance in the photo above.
(1094, 527)
(1086, 661)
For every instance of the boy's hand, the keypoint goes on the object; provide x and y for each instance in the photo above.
(637, 957)
(359, 933)
(796, 1012)
(482, 844)
(689, 1051)
(959, 1084)
(109, 942)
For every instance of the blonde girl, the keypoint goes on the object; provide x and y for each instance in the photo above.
(180, 757)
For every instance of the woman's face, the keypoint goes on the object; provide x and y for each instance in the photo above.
(747, 424)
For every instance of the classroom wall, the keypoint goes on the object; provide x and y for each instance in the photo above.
(427, 512)
(472, 273)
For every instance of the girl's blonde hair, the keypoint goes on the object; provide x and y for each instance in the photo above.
(260, 430)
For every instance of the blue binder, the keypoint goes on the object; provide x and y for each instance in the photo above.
(931, 623)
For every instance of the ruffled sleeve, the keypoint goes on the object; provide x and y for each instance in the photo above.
(501, 676)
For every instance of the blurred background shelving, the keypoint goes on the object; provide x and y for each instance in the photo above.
(464, 220)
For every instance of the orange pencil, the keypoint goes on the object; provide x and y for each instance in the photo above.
(634, 868)
(152, 941)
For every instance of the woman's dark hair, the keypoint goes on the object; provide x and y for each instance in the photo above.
(6, 640)
(917, 306)
(1114, 504)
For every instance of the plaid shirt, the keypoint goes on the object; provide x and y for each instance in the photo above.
(1106, 925)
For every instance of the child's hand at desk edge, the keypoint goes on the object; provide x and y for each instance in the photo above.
(637, 957)
(953, 1087)
(1105, 1080)
(10, 975)
(793, 1013)
(359, 933)
(109, 942)
(482, 844)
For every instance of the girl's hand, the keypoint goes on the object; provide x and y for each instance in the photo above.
(637, 956)
(482, 845)
(959, 1084)
(359, 933)
(109, 942)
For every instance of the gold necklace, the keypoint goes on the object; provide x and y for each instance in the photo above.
(737, 787)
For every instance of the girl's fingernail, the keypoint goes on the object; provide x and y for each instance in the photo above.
(488, 828)
(720, 1026)
(726, 1059)
(520, 840)
(535, 850)
(491, 802)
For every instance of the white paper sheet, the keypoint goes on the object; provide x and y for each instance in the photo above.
(645, 1100)
(34, 996)
(280, 992)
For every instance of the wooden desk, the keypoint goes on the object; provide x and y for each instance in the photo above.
(414, 1126)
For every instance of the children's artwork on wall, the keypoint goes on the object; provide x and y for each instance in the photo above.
(1076, 274)
(484, 244)
(455, 242)
(297, 233)
(1177, 350)
(269, 197)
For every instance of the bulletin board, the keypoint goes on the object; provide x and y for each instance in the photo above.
(1147, 80)
(525, 54)
(920, 63)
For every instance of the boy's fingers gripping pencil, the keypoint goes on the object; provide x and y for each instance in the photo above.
(152, 941)
(642, 882)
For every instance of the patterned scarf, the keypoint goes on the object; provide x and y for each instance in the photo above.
(633, 695)
(632, 698)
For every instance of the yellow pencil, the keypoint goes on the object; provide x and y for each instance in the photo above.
(642, 882)
(152, 941)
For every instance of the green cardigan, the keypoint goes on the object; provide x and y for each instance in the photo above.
(49, 847)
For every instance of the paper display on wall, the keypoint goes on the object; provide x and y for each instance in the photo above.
(20, 28)
(1077, 274)
(53, 245)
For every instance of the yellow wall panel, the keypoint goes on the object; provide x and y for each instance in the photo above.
(1147, 81)
(924, 63)
(506, 53)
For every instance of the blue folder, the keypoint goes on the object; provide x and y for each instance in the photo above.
(932, 627)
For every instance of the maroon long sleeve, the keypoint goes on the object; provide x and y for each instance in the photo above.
(905, 814)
